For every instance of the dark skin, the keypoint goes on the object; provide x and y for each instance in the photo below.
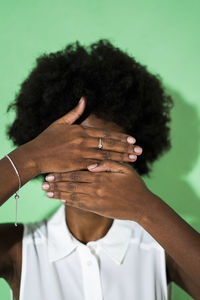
(116, 191)
(62, 147)
(85, 225)
(89, 196)
(138, 204)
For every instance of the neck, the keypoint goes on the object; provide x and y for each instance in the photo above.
(86, 226)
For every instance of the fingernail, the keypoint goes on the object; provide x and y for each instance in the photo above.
(92, 166)
(81, 100)
(50, 194)
(138, 150)
(62, 200)
(45, 186)
(131, 140)
(50, 178)
(132, 156)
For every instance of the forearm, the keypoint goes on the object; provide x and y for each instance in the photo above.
(25, 165)
(177, 237)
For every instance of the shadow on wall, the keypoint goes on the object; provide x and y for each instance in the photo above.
(169, 176)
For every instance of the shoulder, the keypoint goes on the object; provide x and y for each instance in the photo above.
(12, 238)
(142, 237)
(146, 241)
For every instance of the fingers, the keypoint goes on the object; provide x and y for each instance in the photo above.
(114, 145)
(111, 155)
(78, 200)
(74, 176)
(109, 166)
(72, 193)
(74, 114)
(69, 187)
(103, 133)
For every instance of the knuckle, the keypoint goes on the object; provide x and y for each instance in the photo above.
(59, 177)
(73, 197)
(51, 186)
(99, 192)
(81, 204)
(79, 161)
(106, 133)
(105, 163)
(130, 148)
(79, 140)
(54, 186)
(58, 195)
(105, 154)
(74, 176)
(127, 148)
(71, 187)
(122, 157)
(110, 142)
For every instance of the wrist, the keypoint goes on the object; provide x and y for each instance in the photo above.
(24, 162)
(150, 209)
(146, 209)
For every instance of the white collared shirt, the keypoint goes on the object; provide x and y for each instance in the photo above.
(126, 264)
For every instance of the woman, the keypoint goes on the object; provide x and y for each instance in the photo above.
(113, 237)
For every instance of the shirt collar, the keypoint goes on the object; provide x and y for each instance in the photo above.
(61, 242)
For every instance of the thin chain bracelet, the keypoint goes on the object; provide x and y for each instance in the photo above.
(16, 194)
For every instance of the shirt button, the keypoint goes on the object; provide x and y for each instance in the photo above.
(89, 262)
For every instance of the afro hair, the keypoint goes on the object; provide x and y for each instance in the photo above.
(117, 89)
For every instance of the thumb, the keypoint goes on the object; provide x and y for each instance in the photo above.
(108, 166)
(74, 114)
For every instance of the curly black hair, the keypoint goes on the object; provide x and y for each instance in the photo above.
(117, 89)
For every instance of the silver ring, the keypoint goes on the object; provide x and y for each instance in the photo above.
(100, 146)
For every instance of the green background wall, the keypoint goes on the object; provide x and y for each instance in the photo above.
(162, 35)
